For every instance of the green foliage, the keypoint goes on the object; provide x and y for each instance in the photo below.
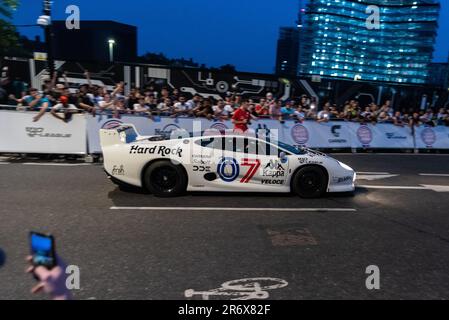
(8, 33)
(7, 7)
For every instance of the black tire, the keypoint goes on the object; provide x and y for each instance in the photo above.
(165, 179)
(310, 182)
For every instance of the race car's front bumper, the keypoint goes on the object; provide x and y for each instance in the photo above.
(342, 179)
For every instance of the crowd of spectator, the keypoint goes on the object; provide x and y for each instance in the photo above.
(151, 102)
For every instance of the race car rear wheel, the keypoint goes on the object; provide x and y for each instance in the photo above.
(165, 179)
(310, 182)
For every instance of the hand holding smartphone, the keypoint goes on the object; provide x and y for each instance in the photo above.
(43, 250)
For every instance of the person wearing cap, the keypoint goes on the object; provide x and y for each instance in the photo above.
(64, 108)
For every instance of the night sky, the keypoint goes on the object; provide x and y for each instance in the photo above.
(214, 32)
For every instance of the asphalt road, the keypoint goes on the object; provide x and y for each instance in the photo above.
(397, 221)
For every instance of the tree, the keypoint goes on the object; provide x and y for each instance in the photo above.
(8, 33)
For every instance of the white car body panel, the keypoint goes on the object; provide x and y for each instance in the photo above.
(125, 162)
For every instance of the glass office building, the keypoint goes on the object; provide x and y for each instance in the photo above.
(373, 40)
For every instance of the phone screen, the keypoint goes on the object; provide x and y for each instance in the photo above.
(42, 250)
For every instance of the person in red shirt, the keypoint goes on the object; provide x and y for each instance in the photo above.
(241, 118)
(262, 108)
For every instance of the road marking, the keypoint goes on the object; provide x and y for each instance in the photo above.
(435, 188)
(5, 162)
(392, 187)
(242, 289)
(56, 164)
(372, 173)
(434, 175)
(375, 176)
(236, 209)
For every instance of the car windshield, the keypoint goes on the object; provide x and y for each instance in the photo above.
(289, 148)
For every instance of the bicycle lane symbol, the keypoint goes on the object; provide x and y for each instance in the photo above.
(242, 289)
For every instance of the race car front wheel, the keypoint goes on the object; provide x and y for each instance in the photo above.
(165, 179)
(310, 182)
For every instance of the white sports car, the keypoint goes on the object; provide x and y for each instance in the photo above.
(225, 163)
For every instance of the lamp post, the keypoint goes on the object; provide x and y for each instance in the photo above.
(111, 43)
(45, 22)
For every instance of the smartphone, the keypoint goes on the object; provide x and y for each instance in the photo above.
(43, 250)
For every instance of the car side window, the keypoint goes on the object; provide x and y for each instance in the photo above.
(232, 144)
(261, 148)
(212, 143)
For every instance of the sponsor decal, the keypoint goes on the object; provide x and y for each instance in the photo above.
(202, 159)
(309, 161)
(228, 169)
(300, 134)
(365, 135)
(111, 124)
(342, 179)
(274, 165)
(202, 156)
(118, 171)
(395, 136)
(429, 137)
(159, 150)
(273, 182)
(274, 169)
(40, 132)
(201, 168)
(335, 130)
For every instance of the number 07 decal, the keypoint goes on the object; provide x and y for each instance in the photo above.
(254, 165)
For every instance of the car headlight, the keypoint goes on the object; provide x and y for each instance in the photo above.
(345, 166)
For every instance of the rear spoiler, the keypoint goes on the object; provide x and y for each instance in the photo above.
(122, 134)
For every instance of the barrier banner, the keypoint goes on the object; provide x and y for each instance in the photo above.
(432, 138)
(19, 134)
(381, 135)
(148, 127)
(316, 135)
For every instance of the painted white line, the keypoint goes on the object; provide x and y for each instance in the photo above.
(236, 209)
(434, 175)
(391, 154)
(373, 173)
(373, 177)
(5, 162)
(435, 188)
(56, 164)
(392, 187)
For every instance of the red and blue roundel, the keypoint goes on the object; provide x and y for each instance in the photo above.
(228, 169)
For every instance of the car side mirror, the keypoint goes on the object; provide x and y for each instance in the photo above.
(283, 156)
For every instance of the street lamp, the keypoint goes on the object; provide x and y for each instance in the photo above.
(45, 22)
(111, 49)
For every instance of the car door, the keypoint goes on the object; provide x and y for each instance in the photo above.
(206, 153)
(252, 165)
(274, 169)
